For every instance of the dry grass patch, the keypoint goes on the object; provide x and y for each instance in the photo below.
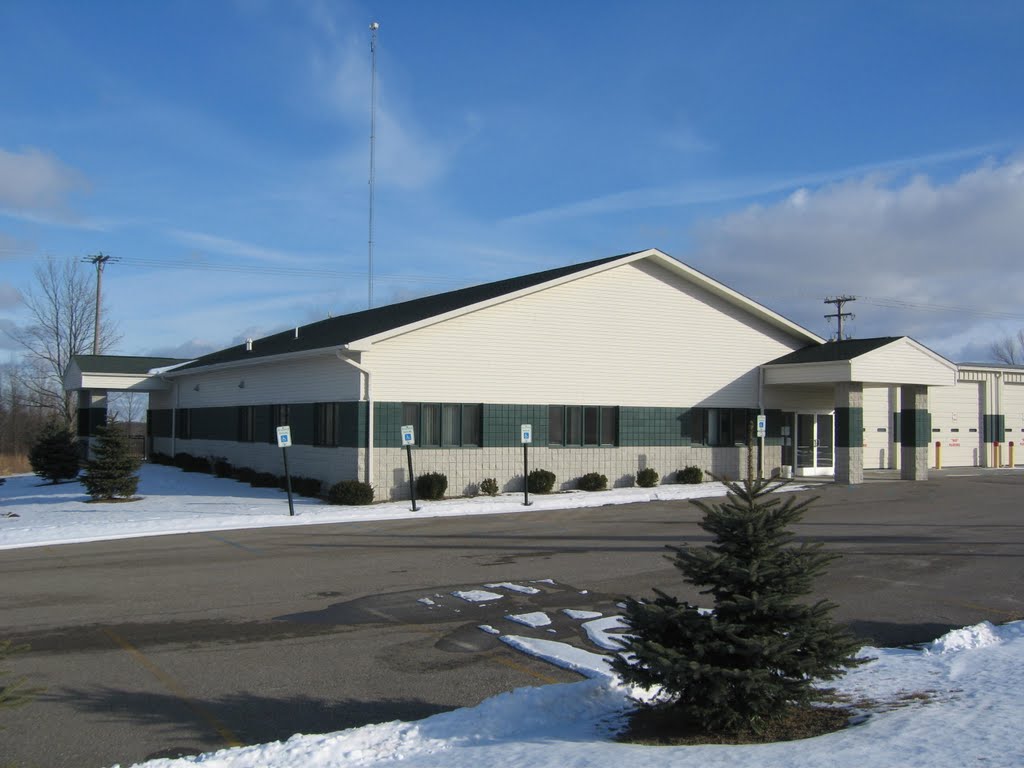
(14, 464)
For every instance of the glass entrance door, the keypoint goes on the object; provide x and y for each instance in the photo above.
(814, 444)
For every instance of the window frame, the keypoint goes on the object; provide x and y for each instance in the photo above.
(280, 416)
(325, 425)
(183, 424)
(246, 424)
(465, 430)
(722, 427)
(583, 426)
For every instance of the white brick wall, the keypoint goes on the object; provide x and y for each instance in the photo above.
(466, 467)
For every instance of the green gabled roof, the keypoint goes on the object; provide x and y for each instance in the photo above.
(124, 365)
(834, 350)
(344, 329)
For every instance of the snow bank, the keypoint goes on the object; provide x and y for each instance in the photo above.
(929, 709)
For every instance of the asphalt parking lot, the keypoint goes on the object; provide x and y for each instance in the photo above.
(182, 644)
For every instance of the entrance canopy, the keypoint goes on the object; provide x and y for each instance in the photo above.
(850, 367)
(113, 373)
(887, 361)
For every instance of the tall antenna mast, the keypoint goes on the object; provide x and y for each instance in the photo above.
(839, 315)
(374, 26)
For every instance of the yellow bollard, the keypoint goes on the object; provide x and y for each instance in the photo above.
(938, 454)
(1010, 462)
(997, 456)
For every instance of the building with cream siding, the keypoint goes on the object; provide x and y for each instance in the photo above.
(618, 364)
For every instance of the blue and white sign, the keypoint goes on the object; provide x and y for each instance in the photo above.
(526, 433)
(762, 424)
(408, 436)
(284, 437)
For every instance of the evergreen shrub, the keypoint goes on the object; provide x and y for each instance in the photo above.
(244, 474)
(759, 654)
(221, 466)
(647, 478)
(189, 463)
(431, 486)
(55, 456)
(489, 486)
(690, 475)
(304, 486)
(160, 458)
(593, 481)
(112, 474)
(350, 493)
(540, 481)
(264, 480)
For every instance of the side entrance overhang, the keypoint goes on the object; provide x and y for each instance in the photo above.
(94, 376)
(846, 368)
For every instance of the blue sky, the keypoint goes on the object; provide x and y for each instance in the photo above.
(793, 150)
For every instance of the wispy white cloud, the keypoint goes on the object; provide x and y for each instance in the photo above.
(34, 183)
(917, 244)
(230, 247)
(7, 331)
(10, 297)
(406, 156)
(705, 191)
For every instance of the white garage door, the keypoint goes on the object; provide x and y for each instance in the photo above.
(956, 423)
(1013, 409)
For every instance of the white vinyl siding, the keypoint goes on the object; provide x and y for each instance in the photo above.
(308, 380)
(877, 427)
(903, 362)
(633, 335)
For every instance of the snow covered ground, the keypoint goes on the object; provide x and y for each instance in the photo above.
(177, 502)
(954, 703)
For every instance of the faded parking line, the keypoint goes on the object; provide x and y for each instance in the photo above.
(172, 685)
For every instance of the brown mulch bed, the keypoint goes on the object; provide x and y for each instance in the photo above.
(664, 727)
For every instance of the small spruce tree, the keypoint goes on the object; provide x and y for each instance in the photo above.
(759, 652)
(55, 457)
(112, 474)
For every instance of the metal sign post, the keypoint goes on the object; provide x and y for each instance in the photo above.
(526, 437)
(284, 439)
(408, 439)
(762, 427)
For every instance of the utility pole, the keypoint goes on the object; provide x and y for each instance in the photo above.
(839, 315)
(99, 260)
(373, 138)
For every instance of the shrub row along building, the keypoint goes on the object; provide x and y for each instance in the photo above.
(618, 364)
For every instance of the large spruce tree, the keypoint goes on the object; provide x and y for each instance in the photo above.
(759, 652)
(55, 456)
(112, 474)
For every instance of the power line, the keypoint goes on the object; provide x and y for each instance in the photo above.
(249, 269)
(881, 301)
(839, 315)
(99, 261)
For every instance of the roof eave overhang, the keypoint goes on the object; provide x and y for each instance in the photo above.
(250, 361)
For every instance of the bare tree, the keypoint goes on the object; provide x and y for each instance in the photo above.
(20, 424)
(61, 306)
(1010, 349)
